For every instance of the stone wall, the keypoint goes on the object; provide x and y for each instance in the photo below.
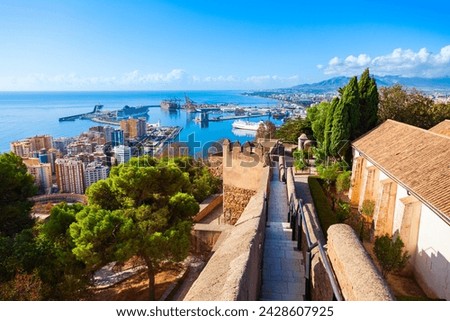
(358, 277)
(243, 168)
(215, 165)
(207, 206)
(234, 202)
(206, 236)
(234, 270)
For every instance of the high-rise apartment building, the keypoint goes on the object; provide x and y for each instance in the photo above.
(31, 146)
(39, 142)
(70, 175)
(133, 128)
(94, 172)
(21, 148)
(122, 154)
(117, 137)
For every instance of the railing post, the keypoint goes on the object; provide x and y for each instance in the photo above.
(308, 275)
(299, 224)
(289, 208)
(294, 225)
(266, 204)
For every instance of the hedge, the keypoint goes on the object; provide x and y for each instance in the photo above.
(323, 208)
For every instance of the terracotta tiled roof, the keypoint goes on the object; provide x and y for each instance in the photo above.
(442, 128)
(416, 158)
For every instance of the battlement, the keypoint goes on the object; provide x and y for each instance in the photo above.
(243, 166)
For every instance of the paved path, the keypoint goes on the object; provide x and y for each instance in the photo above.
(302, 190)
(283, 267)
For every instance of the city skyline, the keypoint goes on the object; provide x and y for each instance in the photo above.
(173, 45)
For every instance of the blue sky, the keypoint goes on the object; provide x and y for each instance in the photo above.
(207, 44)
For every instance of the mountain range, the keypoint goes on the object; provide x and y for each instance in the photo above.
(333, 84)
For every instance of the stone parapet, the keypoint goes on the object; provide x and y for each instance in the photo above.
(234, 270)
(358, 277)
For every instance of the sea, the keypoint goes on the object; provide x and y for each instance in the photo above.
(26, 114)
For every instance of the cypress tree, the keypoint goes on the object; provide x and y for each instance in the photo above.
(368, 101)
(329, 126)
(350, 97)
(340, 130)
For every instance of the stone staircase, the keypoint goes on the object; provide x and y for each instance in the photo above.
(283, 276)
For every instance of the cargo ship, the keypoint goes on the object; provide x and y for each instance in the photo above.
(170, 104)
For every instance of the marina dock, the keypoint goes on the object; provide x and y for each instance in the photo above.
(233, 117)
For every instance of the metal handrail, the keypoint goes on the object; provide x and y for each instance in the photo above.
(327, 264)
(298, 223)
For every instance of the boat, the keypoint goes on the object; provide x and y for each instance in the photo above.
(127, 112)
(170, 104)
(97, 110)
(240, 124)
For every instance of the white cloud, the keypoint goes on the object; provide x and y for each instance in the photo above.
(403, 62)
(137, 80)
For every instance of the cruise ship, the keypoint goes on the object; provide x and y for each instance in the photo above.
(240, 124)
(127, 112)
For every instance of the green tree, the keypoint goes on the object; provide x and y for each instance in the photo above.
(152, 221)
(23, 287)
(329, 174)
(64, 277)
(390, 254)
(340, 130)
(351, 98)
(440, 112)
(343, 181)
(318, 117)
(15, 189)
(266, 130)
(328, 130)
(291, 130)
(409, 107)
(300, 157)
(368, 102)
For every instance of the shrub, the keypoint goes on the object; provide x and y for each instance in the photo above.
(343, 181)
(343, 211)
(368, 207)
(390, 254)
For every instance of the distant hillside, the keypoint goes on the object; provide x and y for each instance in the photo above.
(333, 84)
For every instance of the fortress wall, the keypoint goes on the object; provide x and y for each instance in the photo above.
(234, 270)
(242, 176)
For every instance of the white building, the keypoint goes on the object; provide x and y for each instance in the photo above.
(42, 173)
(95, 172)
(405, 171)
(122, 153)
